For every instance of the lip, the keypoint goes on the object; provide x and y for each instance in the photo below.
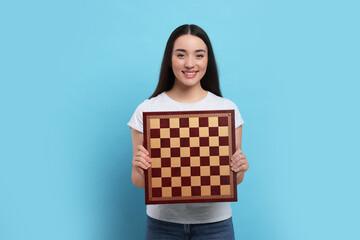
(190, 74)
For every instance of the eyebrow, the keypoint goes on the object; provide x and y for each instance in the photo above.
(183, 50)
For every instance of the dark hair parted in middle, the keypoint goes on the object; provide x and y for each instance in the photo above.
(210, 81)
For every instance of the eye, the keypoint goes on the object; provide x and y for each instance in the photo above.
(180, 55)
(200, 56)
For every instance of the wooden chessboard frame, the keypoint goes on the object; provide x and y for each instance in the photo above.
(229, 177)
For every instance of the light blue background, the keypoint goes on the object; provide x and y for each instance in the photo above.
(73, 72)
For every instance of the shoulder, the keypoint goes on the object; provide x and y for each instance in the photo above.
(147, 104)
(155, 100)
(221, 101)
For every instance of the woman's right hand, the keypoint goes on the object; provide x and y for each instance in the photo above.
(141, 160)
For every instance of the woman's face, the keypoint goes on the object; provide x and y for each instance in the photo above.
(189, 60)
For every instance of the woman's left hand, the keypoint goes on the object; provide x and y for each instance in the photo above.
(238, 162)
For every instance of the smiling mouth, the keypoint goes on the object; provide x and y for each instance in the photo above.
(190, 74)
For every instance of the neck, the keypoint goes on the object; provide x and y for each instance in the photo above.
(186, 94)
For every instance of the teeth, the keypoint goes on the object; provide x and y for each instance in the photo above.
(193, 73)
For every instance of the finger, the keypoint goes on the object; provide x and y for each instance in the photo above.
(240, 169)
(243, 168)
(235, 169)
(143, 155)
(143, 149)
(140, 165)
(143, 161)
(236, 159)
(239, 164)
(242, 162)
(236, 154)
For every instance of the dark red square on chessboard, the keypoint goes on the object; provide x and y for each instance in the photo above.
(190, 152)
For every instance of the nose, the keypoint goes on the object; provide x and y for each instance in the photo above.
(189, 63)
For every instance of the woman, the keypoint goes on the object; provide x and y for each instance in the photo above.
(188, 81)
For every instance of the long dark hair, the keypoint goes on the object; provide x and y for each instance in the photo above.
(209, 82)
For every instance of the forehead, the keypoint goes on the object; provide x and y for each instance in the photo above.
(189, 43)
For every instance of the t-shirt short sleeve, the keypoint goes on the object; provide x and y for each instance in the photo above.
(238, 119)
(136, 120)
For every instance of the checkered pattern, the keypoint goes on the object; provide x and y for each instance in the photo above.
(190, 155)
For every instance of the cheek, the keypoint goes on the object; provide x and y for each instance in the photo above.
(205, 62)
(175, 64)
(204, 65)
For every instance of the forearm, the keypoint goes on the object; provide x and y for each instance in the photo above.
(138, 178)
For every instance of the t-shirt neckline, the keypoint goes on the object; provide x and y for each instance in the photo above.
(181, 103)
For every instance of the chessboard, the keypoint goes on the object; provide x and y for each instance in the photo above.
(190, 153)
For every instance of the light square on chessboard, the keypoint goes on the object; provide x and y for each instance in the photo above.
(223, 131)
(224, 170)
(165, 152)
(213, 141)
(224, 150)
(195, 181)
(174, 142)
(213, 122)
(186, 191)
(176, 181)
(166, 192)
(155, 143)
(156, 182)
(214, 161)
(184, 132)
(193, 122)
(154, 123)
(166, 172)
(174, 123)
(185, 152)
(185, 171)
(195, 161)
(205, 191)
(225, 190)
(203, 131)
(164, 132)
(194, 142)
(204, 151)
(205, 170)
(214, 180)
(155, 162)
(175, 162)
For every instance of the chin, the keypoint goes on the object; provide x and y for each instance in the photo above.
(188, 83)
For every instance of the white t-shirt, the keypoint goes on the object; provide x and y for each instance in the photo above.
(188, 213)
